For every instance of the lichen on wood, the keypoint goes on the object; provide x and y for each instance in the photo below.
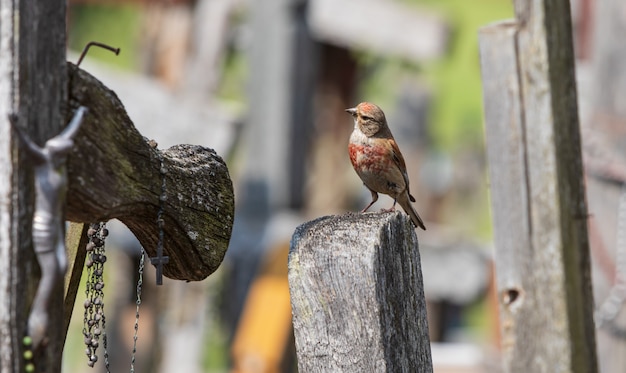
(114, 172)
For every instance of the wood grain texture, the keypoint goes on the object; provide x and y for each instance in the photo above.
(33, 85)
(538, 197)
(357, 295)
(114, 173)
(506, 152)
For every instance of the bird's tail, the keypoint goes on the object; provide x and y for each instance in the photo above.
(403, 201)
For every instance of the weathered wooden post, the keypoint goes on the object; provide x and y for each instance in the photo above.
(538, 196)
(33, 86)
(357, 295)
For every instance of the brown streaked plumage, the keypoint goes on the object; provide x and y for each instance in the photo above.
(377, 159)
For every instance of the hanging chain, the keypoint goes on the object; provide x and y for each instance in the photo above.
(94, 322)
(610, 308)
(138, 302)
(160, 259)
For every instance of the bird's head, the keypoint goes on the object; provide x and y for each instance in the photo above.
(368, 118)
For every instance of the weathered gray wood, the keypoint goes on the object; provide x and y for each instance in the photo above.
(269, 52)
(32, 85)
(505, 140)
(538, 199)
(114, 173)
(357, 295)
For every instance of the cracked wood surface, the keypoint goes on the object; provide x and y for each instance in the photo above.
(114, 172)
(357, 295)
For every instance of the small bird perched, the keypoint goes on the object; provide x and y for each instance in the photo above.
(377, 160)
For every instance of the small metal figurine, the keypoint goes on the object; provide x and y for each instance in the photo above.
(48, 220)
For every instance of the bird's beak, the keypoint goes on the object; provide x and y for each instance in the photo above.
(352, 111)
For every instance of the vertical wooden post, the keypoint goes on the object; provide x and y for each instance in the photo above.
(538, 197)
(283, 69)
(268, 120)
(357, 295)
(33, 86)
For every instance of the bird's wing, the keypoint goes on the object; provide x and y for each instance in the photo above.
(399, 161)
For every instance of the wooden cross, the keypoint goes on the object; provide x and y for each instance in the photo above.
(199, 219)
(110, 171)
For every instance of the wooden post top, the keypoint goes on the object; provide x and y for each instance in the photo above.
(357, 295)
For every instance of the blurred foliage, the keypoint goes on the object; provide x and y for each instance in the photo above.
(116, 25)
(233, 82)
(232, 85)
(457, 113)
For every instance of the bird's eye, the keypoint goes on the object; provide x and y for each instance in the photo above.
(366, 117)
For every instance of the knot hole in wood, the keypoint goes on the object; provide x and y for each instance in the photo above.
(512, 297)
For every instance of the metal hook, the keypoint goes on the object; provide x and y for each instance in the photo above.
(97, 44)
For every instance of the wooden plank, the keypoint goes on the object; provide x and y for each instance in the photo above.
(357, 295)
(283, 70)
(270, 54)
(33, 86)
(75, 243)
(9, 284)
(540, 216)
(556, 186)
(349, 23)
(505, 139)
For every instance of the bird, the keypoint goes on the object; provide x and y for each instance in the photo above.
(377, 159)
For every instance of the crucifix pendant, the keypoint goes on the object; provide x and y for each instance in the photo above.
(158, 262)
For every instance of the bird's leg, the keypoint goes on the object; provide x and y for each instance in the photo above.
(374, 199)
(392, 208)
